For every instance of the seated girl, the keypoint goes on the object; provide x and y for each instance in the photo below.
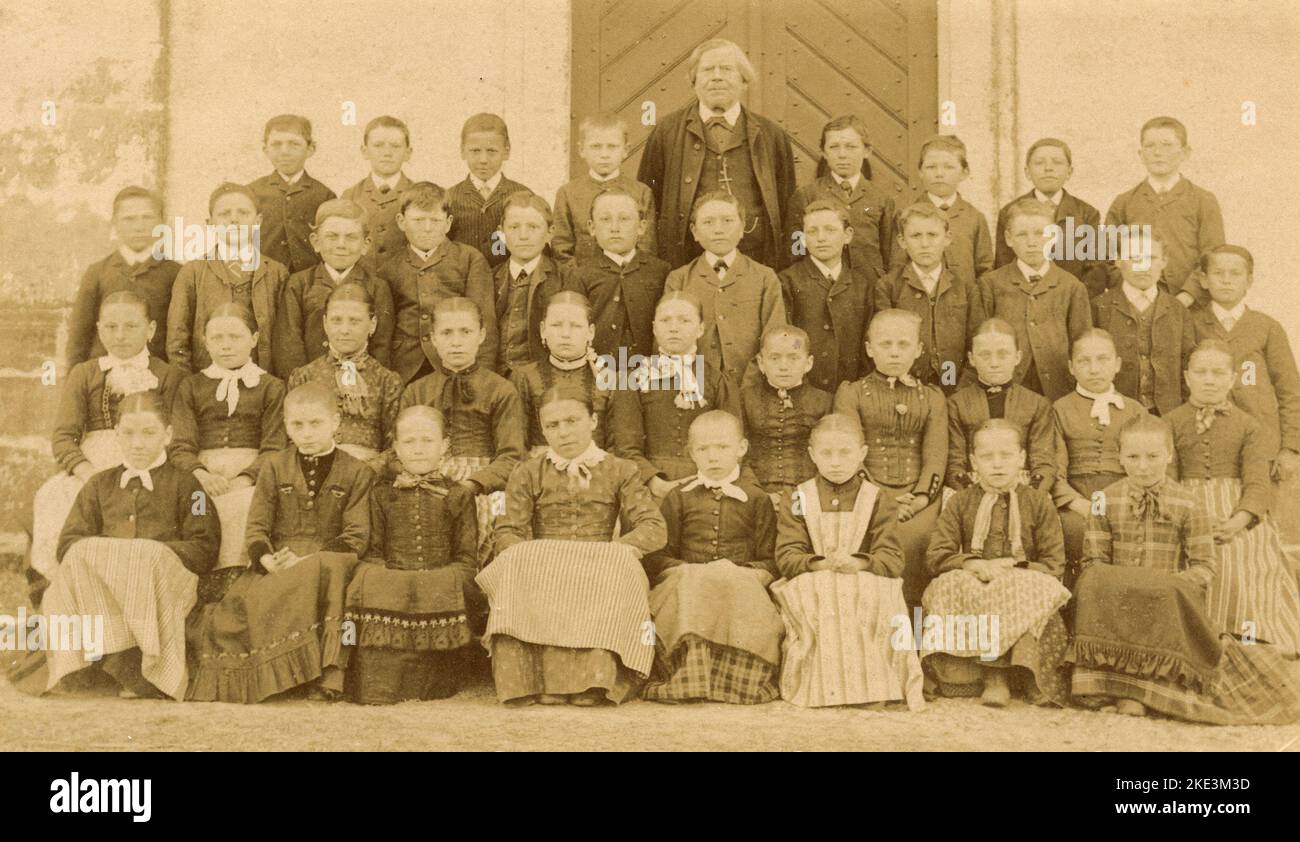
(412, 600)
(130, 554)
(1223, 458)
(998, 552)
(567, 333)
(83, 441)
(279, 626)
(1142, 637)
(228, 419)
(718, 635)
(842, 599)
(569, 618)
(367, 393)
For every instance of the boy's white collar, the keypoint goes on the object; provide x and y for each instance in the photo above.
(833, 274)
(1054, 199)
(531, 266)
(1029, 271)
(490, 184)
(297, 177)
(390, 182)
(134, 258)
(851, 181)
(604, 179)
(1221, 313)
(1164, 185)
(621, 259)
(335, 274)
(729, 258)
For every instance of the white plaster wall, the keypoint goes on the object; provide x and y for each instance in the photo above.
(431, 63)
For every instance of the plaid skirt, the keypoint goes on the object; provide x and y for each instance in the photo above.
(844, 641)
(272, 632)
(405, 620)
(140, 591)
(55, 498)
(1036, 661)
(717, 636)
(1254, 594)
(232, 507)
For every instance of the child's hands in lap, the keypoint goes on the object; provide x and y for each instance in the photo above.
(1226, 530)
(910, 505)
(214, 484)
(241, 482)
(659, 487)
(1080, 507)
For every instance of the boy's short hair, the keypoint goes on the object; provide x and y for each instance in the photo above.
(426, 196)
(993, 425)
(149, 401)
(747, 72)
(1164, 123)
(997, 326)
(1094, 333)
(386, 122)
(343, 209)
(715, 416)
(1029, 207)
(288, 123)
(895, 314)
(225, 189)
(944, 143)
(1213, 345)
(839, 124)
(1147, 423)
(717, 196)
(485, 122)
(616, 191)
(137, 192)
(798, 334)
(1228, 249)
(835, 206)
(924, 209)
(457, 304)
(838, 422)
(312, 394)
(524, 199)
(421, 412)
(1050, 141)
(125, 296)
(603, 121)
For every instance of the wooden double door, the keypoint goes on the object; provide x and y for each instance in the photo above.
(816, 59)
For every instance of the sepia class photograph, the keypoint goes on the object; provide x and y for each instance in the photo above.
(649, 375)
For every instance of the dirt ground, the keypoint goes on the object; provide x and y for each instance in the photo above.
(474, 721)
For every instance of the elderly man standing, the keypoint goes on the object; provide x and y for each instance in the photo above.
(715, 143)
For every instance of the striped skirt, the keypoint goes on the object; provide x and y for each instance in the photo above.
(141, 593)
(232, 507)
(272, 632)
(55, 498)
(848, 641)
(588, 598)
(717, 636)
(1255, 594)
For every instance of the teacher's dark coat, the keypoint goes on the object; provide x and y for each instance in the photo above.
(671, 166)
